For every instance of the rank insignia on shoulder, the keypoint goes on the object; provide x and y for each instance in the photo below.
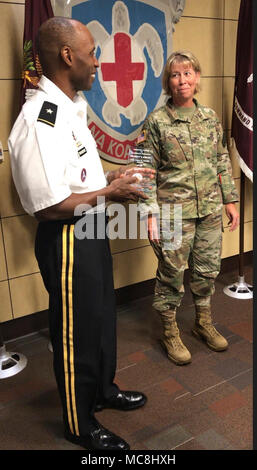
(142, 137)
(48, 113)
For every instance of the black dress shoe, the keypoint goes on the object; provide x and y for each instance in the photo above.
(98, 439)
(124, 401)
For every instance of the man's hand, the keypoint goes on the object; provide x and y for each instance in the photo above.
(124, 171)
(232, 215)
(121, 189)
(115, 174)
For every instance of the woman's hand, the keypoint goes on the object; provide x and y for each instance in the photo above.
(152, 228)
(232, 215)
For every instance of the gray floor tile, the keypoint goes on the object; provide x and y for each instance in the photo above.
(168, 439)
(212, 440)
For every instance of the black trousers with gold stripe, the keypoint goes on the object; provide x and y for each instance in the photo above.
(77, 274)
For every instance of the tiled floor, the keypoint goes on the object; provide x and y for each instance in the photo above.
(204, 405)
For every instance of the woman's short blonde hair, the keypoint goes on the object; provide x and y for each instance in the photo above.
(184, 57)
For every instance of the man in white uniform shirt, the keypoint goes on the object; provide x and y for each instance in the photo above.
(56, 167)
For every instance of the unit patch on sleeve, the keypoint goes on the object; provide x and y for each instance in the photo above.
(48, 113)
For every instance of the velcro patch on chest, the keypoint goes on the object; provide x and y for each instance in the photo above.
(48, 113)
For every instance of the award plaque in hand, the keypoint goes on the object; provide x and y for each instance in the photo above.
(137, 159)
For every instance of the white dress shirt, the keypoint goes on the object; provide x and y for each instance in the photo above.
(50, 161)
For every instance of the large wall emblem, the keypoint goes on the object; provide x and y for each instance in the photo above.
(133, 39)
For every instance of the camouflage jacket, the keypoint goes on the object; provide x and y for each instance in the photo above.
(191, 160)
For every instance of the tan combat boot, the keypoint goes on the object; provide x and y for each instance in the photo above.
(171, 341)
(205, 330)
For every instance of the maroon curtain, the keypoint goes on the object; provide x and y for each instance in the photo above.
(242, 119)
(36, 12)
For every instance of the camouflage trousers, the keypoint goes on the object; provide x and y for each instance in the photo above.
(201, 250)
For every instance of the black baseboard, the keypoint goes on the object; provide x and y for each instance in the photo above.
(38, 321)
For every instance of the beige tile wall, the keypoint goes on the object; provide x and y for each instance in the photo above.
(3, 270)
(5, 298)
(194, 34)
(208, 28)
(28, 295)
(19, 235)
(9, 105)
(9, 201)
(204, 8)
(130, 267)
(11, 31)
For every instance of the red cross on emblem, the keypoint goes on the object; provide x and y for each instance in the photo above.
(123, 71)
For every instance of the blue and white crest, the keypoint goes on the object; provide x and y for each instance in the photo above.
(133, 39)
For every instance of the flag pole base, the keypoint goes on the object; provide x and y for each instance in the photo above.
(239, 290)
(11, 363)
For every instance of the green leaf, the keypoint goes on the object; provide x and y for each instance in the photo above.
(27, 46)
(28, 60)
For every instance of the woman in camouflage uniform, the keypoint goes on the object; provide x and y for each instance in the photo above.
(193, 172)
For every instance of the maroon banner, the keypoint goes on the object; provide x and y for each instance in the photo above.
(36, 12)
(242, 119)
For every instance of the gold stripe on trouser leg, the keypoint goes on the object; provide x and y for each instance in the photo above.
(67, 296)
(70, 303)
(64, 313)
